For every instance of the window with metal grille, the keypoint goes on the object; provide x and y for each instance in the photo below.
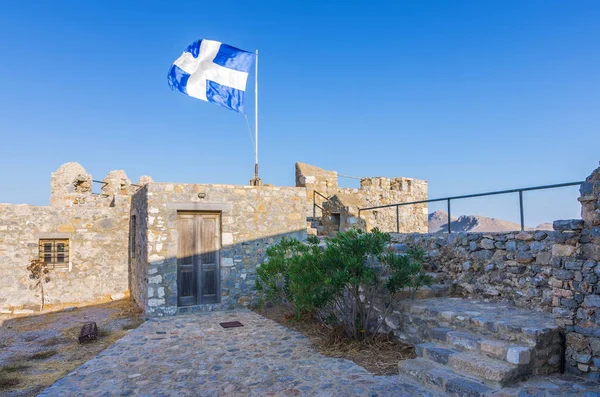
(132, 231)
(55, 253)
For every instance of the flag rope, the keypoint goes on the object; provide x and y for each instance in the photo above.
(249, 130)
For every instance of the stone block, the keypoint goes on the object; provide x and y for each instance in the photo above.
(463, 340)
(227, 262)
(583, 358)
(536, 246)
(518, 355)
(561, 250)
(466, 387)
(592, 301)
(573, 265)
(438, 354)
(493, 347)
(563, 293)
(524, 236)
(524, 257)
(539, 236)
(568, 225)
(440, 333)
(563, 274)
(543, 258)
(511, 246)
(591, 251)
(487, 244)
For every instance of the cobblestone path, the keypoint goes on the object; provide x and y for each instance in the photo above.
(194, 356)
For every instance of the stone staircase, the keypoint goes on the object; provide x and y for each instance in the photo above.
(473, 348)
(314, 226)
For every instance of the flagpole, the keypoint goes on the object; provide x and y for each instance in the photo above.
(256, 121)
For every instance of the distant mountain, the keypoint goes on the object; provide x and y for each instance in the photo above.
(438, 221)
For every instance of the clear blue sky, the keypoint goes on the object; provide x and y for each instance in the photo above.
(470, 95)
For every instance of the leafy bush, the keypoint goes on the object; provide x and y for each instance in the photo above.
(342, 282)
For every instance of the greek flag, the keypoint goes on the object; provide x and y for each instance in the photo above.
(214, 72)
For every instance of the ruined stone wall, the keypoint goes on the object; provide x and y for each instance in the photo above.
(96, 227)
(252, 218)
(373, 192)
(315, 179)
(556, 271)
(413, 218)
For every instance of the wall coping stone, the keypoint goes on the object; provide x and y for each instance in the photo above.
(193, 206)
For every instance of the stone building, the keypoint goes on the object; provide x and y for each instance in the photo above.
(196, 247)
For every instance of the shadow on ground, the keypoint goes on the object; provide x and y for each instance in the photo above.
(38, 349)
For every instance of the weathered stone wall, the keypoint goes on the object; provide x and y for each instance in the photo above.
(96, 227)
(252, 218)
(413, 218)
(373, 192)
(315, 179)
(556, 271)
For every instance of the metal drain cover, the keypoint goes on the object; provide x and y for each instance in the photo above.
(231, 324)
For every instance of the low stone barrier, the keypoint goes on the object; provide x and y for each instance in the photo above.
(552, 271)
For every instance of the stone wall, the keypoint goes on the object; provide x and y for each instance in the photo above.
(96, 227)
(341, 210)
(555, 271)
(252, 218)
(315, 179)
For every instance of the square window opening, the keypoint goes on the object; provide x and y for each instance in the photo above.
(55, 253)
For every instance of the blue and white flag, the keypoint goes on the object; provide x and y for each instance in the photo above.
(213, 72)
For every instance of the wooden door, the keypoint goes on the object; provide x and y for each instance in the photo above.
(198, 258)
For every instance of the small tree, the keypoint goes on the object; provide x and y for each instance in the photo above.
(343, 281)
(38, 271)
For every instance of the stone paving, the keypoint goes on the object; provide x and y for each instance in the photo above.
(193, 356)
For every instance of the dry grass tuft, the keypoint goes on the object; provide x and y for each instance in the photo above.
(103, 333)
(132, 325)
(52, 342)
(9, 376)
(8, 380)
(43, 355)
(379, 355)
(14, 367)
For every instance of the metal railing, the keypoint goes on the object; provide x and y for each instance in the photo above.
(315, 205)
(449, 199)
(104, 184)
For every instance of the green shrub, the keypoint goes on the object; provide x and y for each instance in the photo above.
(343, 281)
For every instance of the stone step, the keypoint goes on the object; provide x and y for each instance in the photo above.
(495, 319)
(480, 367)
(486, 346)
(442, 378)
(492, 330)
(432, 291)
